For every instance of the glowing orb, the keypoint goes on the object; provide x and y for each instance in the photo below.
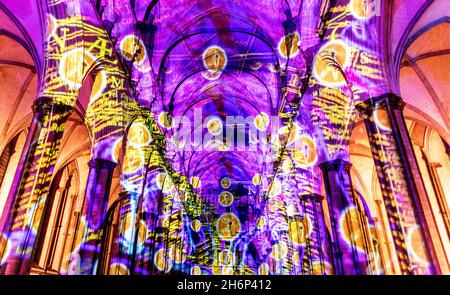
(263, 269)
(261, 222)
(304, 152)
(262, 121)
(226, 199)
(117, 147)
(162, 260)
(299, 230)
(132, 47)
(225, 182)
(133, 160)
(416, 245)
(363, 9)
(227, 270)
(5, 248)
(196, 270)
(287, 135)
(214, 60)
(333, 53)
(275, 188)
(352, 232)
(214, 126)
(129, 231)
(139, 135)
(196, 225)
(296, 258)
(118, 269)
(226, 258)
(256, 179)
(279, 250)
(164, 182)
(165, 120)
(228, 226)
(321, 268)
(73, 66)
(294, 41)
(195, 181)
(178, 255)
(291, 210)
(381, 118)
(99, 86)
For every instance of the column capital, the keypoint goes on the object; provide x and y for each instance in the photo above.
(394, 101)
(101, 163)
(313, 196)
(335, 165)
(44, 104)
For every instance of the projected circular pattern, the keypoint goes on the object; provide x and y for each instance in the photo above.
(333, 52)
(214, 60)
(228, 226)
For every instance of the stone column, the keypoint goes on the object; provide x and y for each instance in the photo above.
(97, 195)
(321, 252)
(410, 217)
(32, 182)
(348, 259)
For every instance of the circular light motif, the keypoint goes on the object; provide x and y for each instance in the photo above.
(162, 260)
(263, 269)
(139, 135)
(116, 149)
(279, 250)
(132, 47)
(196, 225)
(195, 181)
(381, 118)
(227, 270)
(73, 66)
(333, 53)
(99, 86)
(118, 269)
(165, 120)
(351, 228)
(256, 179)
(196, 270)
(287, 135)
(52, 25)
(363, 9)
(261, 222)
(275, 188)
(214, 126)
(294, 41)
(164, 182)
(214, 60)
(228, 226)
(262, 121)
(133, 160)
(226, 199)
(178, 255)
(128, 231)
(291, 210)
(304, 152)
(5, 248)
(226, 258)
(321, 268)
(225, 182)
(416, 246)
(299, 230)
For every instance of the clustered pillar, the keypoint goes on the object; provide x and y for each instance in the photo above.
(405, 198)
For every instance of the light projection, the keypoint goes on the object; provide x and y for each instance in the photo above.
(228, 130)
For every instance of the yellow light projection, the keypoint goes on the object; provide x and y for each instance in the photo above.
(225, 182)
(74, 65)
(279, 250)
(118, 269)
(326, 73)
(215, 61)
(133, 49)
(162, 260)
(351, 228)
(294, 41)
(381, 118)
(256, 180)
(263, 269)
(363, 9)
(5, 248)
(299, 230)
(261, 222)
(165, 120)
(415, 245)
(195, 181)
(228, 226)
(226, 199)
(214, 126)
(196, 225)
(262, 121)
(304, 152)
(164, 182)
(139, 135)
(133, 160)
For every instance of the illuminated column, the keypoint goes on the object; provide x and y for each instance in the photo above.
(404, 194)
(347, 258)
(97, 195)
(321, 251)
(32, 182)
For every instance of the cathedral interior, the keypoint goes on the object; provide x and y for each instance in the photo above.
(215, 137)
